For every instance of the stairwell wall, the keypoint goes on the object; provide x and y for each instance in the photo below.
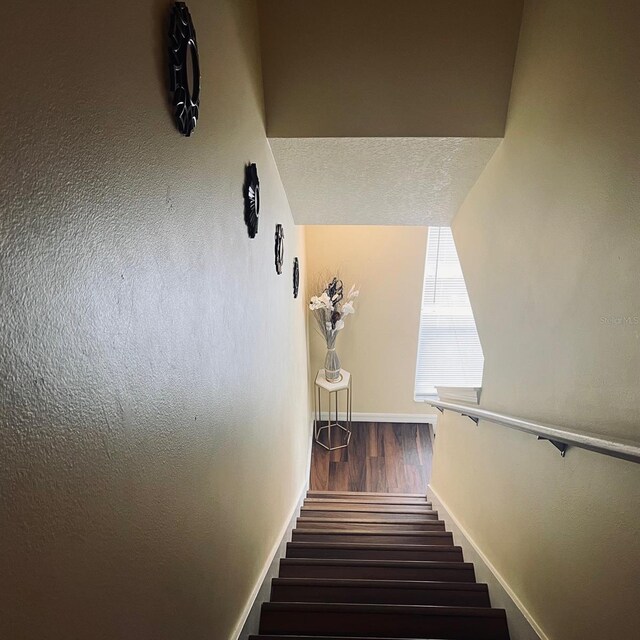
(379, 343)
(549, 240)
(154, 412)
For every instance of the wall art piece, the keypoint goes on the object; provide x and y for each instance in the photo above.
(296, 277)
(251, 193)
(184, 69)
(279, 249)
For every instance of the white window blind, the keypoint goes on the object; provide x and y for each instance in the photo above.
(449, 351)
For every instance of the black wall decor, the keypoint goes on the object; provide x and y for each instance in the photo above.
(182, 49)
(279, 249)
(296, 277)
(251, 193)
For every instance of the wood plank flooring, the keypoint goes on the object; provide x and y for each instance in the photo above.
(382, 456)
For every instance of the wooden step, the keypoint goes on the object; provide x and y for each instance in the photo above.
(384, 621)
(325, 505)
(373, 536)
(345, 550)
(346, 525)
(371, 525)
(393, 501)
(460, 594)
(376, 570)
(363, 495)
(366, 525)
(306, 637)
(382, 516)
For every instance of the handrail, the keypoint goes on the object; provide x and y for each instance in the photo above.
(625, 449)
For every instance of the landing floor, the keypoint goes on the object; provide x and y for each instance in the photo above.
(388, 457)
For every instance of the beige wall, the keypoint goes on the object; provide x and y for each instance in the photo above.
(379, 343)
(549, 239)
(155, 424)
(378, 68)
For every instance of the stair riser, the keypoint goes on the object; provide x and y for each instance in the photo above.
(376, 573)
(388, 625)
(422, 596)
(363, 495)
(305, 637)
(354, 500)
(381, 516)
(436, 538)
(445, 555)
(307, 523)
(360, 506)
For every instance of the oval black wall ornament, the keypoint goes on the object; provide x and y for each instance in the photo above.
(296, 277)
(182, 49)
(279, 248)
(251, 193)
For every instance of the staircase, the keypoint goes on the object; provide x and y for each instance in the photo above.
(376, 565)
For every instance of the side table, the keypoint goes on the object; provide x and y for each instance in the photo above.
(333, 389)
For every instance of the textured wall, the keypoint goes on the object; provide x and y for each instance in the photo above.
(155, 423)
(549, 239)
(379, 343)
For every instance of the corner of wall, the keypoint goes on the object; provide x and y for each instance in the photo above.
(522, 625)
(249, 620)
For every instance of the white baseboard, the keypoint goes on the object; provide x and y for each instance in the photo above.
(413, 418)
(250, 618)
(522, 625)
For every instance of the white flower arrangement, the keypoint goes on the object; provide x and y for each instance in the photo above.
(330, 310)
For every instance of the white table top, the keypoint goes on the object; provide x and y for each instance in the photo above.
(321, 381)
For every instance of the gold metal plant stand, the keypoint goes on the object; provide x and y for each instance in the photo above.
(333, 389)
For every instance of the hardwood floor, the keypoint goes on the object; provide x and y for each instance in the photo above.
(382, 456)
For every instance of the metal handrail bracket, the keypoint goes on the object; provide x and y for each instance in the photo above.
(560, 437)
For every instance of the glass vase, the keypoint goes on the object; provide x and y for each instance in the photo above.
(332, 366)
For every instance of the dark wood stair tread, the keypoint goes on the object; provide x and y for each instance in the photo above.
(409, 609)
(362, 494)
(313, 637)
(434, 523)
(468, 594)
(384, 620)
(373, 531)
(349, 525)
(398, 564)
(373, 536)
(355, 500)
(398, 584)
(430, 570)
(355, 550)
(357, 545)
(368, 507)
(368, 516)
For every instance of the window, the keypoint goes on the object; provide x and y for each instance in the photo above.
(449, 351)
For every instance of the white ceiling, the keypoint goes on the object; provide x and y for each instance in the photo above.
(379, 181)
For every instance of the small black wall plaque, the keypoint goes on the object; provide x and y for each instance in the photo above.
(296, 277)
(182, 50)
(251, 193)
(279, 248)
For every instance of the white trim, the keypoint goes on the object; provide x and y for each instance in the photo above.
(527, 629)
(413, 418)
(459, 394)
(289, 523)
